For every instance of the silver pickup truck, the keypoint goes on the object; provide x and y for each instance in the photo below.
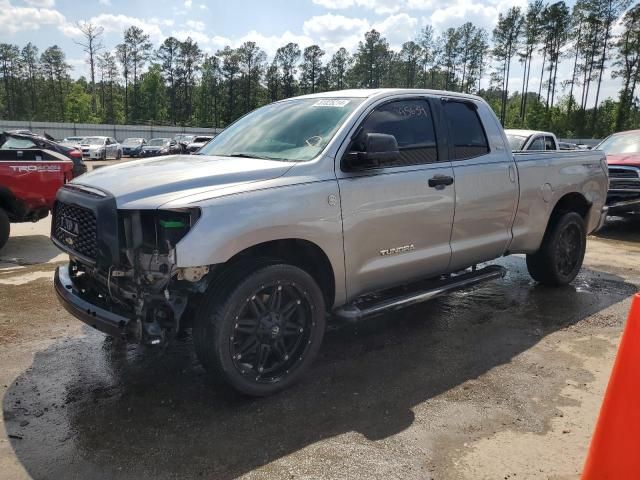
(338, 205)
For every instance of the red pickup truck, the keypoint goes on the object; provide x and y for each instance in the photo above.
(29, 180)
(623, 156)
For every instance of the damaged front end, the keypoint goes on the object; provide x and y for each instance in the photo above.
(122, 277)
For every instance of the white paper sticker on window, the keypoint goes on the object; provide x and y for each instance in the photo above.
(330, 103)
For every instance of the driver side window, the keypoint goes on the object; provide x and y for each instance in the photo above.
(411, 123)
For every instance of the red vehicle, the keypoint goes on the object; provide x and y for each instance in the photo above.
(29, 180)
(623, 156)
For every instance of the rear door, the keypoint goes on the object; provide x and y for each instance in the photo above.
(397, 216)
(486, 188)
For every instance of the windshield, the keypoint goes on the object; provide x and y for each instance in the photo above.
(620, 143)
(132, 141)
(516, 142)
(291, 130)
(158, 142)
(93, 141)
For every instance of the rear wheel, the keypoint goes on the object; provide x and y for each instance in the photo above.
(562, 251)
(261, 332)
(5, 227)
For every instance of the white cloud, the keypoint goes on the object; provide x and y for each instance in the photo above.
(15, 19)
(203, 7)
(378, 6)
(41, 3)
(481, 14)
(334, 28)
(195, 25)
(118, 24)
(188, 3)
(268, 43)
(334, 31)
(105, 2)
(199, 37)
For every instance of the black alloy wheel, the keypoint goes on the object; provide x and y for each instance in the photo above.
(260, 327)
(560, 256)
(272, 331)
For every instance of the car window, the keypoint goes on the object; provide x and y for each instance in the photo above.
(18, 143)
(465, 130)
(537, 144)
(411, 123)
(549, 143)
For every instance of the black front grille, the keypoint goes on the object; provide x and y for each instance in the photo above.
(75, 228)
(623, 173)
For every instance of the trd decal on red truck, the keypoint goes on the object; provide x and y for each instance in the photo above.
(34, 168)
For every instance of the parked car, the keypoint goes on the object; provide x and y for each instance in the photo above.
(198, 142)
(71, 141)
(183, 139)
(29, 180)
(531, 140)
(131, 147)
(308, 206)
(22, 141)
(100, 148)
(623, 157)
(160, 146)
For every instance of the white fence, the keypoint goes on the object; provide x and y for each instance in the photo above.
(119, 132)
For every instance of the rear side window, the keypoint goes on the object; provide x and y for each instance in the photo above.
(537, 144)
(549, 143)
(465, 130)
(411, 123)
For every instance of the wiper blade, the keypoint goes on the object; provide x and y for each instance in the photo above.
(251, 155)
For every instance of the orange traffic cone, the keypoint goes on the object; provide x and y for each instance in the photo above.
(614, 452)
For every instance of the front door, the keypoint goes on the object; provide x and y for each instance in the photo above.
(397, 217)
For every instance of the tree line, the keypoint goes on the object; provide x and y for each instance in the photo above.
(177, 83)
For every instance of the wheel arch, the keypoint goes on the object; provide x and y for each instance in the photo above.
(571, 202)
(299, 252)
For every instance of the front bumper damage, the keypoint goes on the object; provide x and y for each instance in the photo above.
(97, 317)
(122, 277)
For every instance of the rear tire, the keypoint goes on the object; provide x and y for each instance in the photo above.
(562, 251)
(5, 228)
(258, 331)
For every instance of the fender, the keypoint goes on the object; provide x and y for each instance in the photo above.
(232, 224)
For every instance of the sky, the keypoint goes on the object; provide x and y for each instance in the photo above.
(270, 23)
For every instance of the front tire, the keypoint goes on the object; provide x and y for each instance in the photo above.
(259, 331)
(562, 251)
(5, 228)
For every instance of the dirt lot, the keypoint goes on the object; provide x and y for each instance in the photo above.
(500, 382)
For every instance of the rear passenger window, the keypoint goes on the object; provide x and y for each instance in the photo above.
(537, 144)
(465, 131)
(550, 143)
(411, 123)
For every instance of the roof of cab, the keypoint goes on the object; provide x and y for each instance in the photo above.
(526, 133)
(383, 92)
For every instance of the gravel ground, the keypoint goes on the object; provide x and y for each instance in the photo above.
(502, 381)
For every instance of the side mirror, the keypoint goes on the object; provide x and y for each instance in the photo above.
(378, 148)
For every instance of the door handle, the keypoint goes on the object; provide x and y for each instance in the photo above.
(440, 181)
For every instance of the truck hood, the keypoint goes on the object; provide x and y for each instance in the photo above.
(150, 183)
(632, 159)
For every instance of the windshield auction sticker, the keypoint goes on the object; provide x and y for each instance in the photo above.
(327, 102)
